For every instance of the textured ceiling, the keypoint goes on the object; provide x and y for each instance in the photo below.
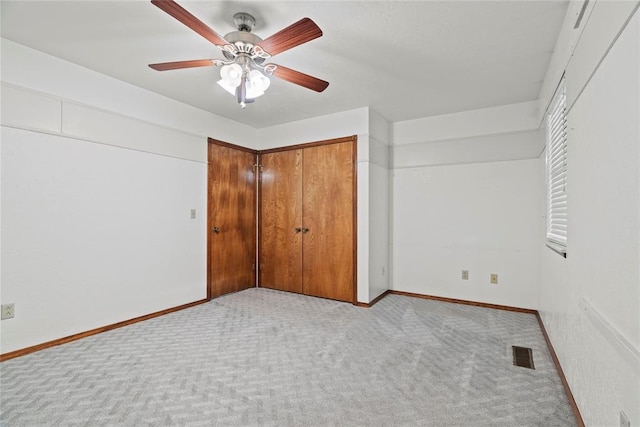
(404, 59)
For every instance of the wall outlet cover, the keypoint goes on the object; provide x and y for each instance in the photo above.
(8, 311)
(494, 279)
(465, 274)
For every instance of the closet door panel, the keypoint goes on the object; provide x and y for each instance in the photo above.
(281, 221)
(328, 215)
(232, 219)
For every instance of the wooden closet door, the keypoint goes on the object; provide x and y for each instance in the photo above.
(328, 214)
(232, 219)
(281, 221)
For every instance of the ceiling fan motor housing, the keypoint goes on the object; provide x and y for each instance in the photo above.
(243, 39)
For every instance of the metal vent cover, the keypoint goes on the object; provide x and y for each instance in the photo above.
(523, 356)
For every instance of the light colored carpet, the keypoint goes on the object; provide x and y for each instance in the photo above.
(263, 357)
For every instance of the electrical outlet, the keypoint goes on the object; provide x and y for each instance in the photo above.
(465, 274)
(494, 279)
(193, 214)
(624, 421)
(8, 311)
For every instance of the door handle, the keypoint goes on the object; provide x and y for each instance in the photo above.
(216, 230)
(298, 229)
(305, 230)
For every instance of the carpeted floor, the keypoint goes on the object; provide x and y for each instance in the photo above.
(263, 357)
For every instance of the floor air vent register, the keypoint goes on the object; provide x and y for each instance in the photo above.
(523, 356)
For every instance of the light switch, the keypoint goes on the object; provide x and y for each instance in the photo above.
(193, 214)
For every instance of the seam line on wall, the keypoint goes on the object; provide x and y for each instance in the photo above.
(99, 109)
(462, 164)
(604, 56)
(91, 141)
(471, 137)
(565, 62)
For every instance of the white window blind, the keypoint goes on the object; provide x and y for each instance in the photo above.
(557, 170)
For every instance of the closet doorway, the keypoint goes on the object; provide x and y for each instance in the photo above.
(231, 223)
(307, 219)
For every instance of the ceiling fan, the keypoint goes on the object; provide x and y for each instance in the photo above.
(243, 73)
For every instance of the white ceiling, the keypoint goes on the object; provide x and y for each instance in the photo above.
(404, 59)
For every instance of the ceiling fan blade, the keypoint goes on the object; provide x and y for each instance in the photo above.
(165, 66)
(182, 15)
(294, 35)
(301, 79)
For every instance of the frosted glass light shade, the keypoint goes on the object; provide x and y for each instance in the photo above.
(257, 84)
(227, 87)
(231, 74)
(259, 80)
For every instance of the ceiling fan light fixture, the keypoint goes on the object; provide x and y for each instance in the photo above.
(253, 93)
(231, 75)
(257, 84)
(224, 85)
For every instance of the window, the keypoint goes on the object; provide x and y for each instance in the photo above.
(557, 171)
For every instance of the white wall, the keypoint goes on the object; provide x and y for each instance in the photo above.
(379, 165)
(374, 210)
(94, 234)
(338, 125)
(24, 67)
(590, 301)
(505, 119)
(466, 197)
(526, 144)
(480, 217)
(98, 180)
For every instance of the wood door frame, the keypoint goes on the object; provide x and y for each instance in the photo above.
(354, 139)
(209, 224)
